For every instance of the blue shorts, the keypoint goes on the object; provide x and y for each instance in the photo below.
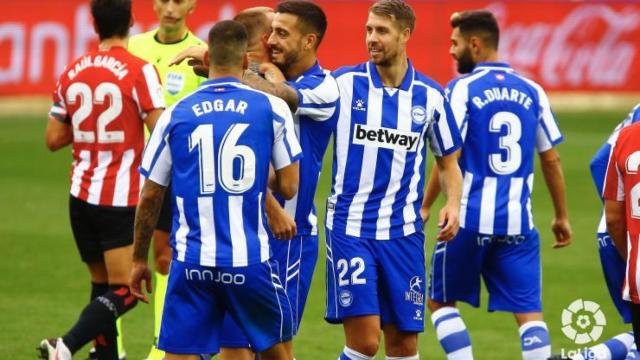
(614, 269)
(509, 265)
(198, 298)
(376, 277)
(296, 260)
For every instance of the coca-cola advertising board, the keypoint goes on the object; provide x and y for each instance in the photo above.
(565, 46)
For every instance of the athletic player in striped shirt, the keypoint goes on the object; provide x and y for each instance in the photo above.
(504, 118)
(101, 104)
(215, 146)
(375, 243)
(158, 47)
(312, 93)
(621, 194)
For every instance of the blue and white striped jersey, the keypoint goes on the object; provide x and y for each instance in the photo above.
(317, 98)
(503, 117)
(379, 151)
(215, 146)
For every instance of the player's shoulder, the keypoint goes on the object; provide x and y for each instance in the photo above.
(141, 39)
(421, 79)
(463, 81)
(349, 70)
(634, 115)
(630, 133)
(193, 40)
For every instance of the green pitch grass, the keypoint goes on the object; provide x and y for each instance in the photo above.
(43, 284)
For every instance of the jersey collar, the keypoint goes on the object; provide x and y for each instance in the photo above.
(222, 80)
(404, 85)
(492, 66)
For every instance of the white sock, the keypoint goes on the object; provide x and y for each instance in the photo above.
(534, 338)
(452, 333)
(350, 354)
(62, 351)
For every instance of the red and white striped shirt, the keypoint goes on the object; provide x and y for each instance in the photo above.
(105, 95)
(622, 183)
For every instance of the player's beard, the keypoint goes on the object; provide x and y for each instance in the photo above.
(465, 62)
(287, 59)
(386, 57)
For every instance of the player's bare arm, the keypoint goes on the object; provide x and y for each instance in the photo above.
(554, 178)
(146, 218)
(286, 182)
(617, 225)
(58, 134)
(432, 191)
(282, 225)
(152, 118)
(281, 90)
(195, 53)
(450, 178)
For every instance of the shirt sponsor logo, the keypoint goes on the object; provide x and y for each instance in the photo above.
(214, 276)
(385, 138)
(415, 294)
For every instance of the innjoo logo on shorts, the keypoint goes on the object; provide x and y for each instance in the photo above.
(583, 321)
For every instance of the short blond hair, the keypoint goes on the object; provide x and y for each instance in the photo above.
(398, 10)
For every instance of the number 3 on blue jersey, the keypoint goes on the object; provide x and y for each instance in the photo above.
(508, 142)
(230, 151)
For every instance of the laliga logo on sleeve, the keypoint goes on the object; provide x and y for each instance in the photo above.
(583, 321)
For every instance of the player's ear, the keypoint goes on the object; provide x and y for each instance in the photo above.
(205, 60)
(310, 41)
(406, 35)
(131, 21)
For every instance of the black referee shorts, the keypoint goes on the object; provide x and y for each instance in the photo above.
(97, 229)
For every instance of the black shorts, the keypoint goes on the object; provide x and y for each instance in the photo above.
(97, 229)
(165, 217)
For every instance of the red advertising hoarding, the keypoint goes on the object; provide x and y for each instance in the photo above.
(565, 46)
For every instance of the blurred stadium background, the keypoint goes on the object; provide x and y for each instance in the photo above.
(585, 54)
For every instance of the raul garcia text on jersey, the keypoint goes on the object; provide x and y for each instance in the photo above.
(387, 138)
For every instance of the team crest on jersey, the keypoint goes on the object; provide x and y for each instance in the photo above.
(174, 83)
(346, 298)
(359, 106)
(418, 115)
(415, 293)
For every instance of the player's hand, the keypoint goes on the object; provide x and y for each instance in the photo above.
(282, 225)
(448, 222)
(140, 272)
(562, 230)
(193, 53)
(271, 72)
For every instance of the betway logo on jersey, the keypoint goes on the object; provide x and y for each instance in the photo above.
(385, 138)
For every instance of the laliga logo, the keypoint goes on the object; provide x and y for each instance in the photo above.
(583, 321)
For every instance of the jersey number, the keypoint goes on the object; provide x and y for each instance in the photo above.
(633, 163)
(229, 152)
(87, 100)
(508, 142)
(357, 264)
